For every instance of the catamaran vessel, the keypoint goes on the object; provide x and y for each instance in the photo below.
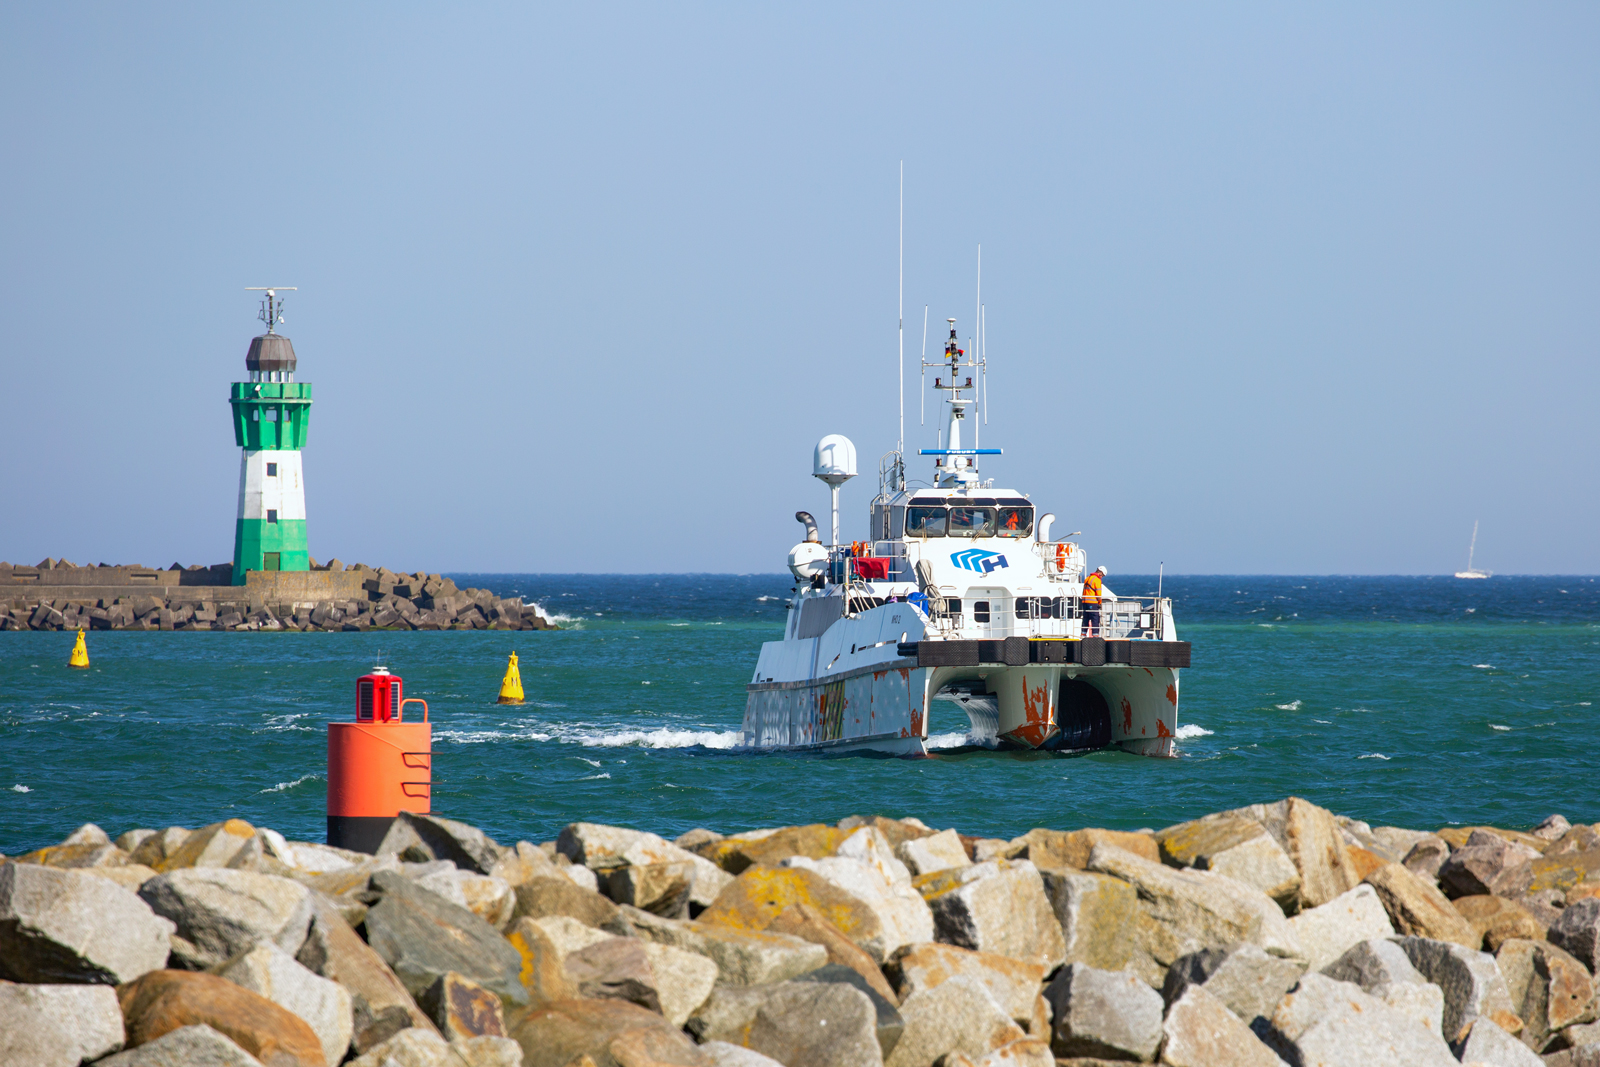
(960, 598)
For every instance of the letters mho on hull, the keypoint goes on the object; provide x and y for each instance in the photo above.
(959, 601)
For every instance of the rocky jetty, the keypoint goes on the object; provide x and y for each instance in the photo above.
(199, 598)
(1269, 935)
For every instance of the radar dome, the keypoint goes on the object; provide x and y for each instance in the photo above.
(835, 461)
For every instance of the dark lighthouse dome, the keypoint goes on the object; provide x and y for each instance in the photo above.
(271, 352)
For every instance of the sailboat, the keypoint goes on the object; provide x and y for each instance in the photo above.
(1469, 572)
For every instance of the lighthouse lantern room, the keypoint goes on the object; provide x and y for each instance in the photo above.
(271, 412)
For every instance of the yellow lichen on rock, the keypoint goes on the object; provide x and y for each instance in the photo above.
(758, 896)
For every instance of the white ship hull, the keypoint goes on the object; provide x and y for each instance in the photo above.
(850, 690)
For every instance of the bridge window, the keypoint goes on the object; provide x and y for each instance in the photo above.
(925, 522)
(980, 611)
(1015, 522)
(972, 522)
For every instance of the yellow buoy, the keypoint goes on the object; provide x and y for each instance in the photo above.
(80, 653)
(510, 687)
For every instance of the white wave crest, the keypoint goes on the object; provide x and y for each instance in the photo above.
(21, 789)
(1189, 729)
(1373, 755)
(1497, 726)
(595, 777)
(284, 786)
(662, 737)
(1484, 666)
(958, 740)
(1293, 705)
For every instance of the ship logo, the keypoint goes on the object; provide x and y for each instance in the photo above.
(976, 559)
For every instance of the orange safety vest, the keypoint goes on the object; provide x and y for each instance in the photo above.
(1091, 589)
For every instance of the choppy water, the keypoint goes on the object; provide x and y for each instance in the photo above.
(1417, 702)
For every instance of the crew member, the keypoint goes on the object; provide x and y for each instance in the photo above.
(1093, 590)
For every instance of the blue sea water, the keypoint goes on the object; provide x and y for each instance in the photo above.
(1407, 701)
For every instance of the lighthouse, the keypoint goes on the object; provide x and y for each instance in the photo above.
(271, 412)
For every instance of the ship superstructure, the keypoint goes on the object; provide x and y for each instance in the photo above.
(960, 598)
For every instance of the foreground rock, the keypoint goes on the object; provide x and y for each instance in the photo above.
(559, 1035)
(58, 1025)
(799, 1024)
(1190, 910)
(1243, 977)
(1471, 981)
(605, 848)
(64, 926)
(1327, 931)
(380, 1004)
(809, 924)
(999, 907)
(188, 1046)
(1549, 989)
(1382, 968)
(1200, 1031)
(163, 1001)
(1335, 1024)
(1111, 1015)
(422, 936)
(1418, 909)
(220, 913)
(957, 1016)
(1238, 847)
(743, 957)
(1013, 984)
(324, 1006)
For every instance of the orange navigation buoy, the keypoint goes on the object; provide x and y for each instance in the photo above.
(379, 765)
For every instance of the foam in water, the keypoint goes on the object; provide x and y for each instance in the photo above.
(1293, 705)
(1497, 726)
(1373, 755)
(283, 786)
(595, 777)
(1484, 666)
(1189, 729)
(20, 789)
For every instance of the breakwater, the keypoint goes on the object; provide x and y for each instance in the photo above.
(1274, 933)
(58, 595)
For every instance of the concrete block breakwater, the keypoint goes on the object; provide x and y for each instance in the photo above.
(1271, 934)
(57, 595)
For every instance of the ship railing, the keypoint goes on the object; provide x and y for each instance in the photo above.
(1126, 618)
(1063, 560)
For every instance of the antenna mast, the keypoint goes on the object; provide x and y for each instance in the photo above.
(902, 311)
(271, 307)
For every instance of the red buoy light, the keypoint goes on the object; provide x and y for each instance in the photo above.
(379, 765)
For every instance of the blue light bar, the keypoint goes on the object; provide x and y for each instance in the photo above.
(959, 452)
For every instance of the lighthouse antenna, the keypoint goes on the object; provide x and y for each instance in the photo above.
(271, 307)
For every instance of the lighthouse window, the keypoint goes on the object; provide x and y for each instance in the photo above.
(925, 522)
(972, 522)
(1015, 522)
(272, 515)
(272, 470)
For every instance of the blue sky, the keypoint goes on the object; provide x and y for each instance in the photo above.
(1271, 288)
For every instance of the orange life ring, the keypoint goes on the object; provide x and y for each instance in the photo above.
(1061, 556)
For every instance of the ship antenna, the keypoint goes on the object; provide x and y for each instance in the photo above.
(271, 307)
(977, 330)
(922, 397)
(902, 311)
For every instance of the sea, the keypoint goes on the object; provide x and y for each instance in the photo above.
(1407, 701)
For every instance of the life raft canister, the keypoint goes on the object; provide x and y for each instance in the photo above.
(378, 766)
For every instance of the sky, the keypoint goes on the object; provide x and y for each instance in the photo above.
(1269, 288)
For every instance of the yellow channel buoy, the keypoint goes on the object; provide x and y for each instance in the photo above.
(80, 654)
(510, 686)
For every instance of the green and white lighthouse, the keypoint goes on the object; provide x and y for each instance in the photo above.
(271, 412)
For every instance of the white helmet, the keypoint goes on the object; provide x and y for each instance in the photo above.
(1102, 570)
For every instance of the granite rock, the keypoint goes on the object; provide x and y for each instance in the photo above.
(1489, 1044)
(163, 1001)
(999, 906)
(936, 852)
(1578, 932)
(1472, 983)
(1241, 976)
(1327, 1022)
(381, 1006)
(221, 912)
(187, 1046)
(461, 1009)
(1418, 909)
(1200, 1031)
(65, 926)
(543, 972)
(557, 1036)
(540, 897)
(1014, 984)
(810, 924)
(422, 936)
(1110, 1014)
(743, 957)
(956, 1016)
(1327, 931)
(324, 1005)
(1238, 847)
(57, 1025)
(1103, 923)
